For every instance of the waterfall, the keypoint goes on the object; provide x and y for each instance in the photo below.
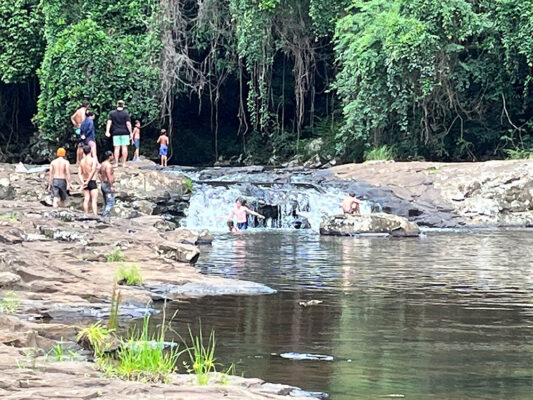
(288, 205)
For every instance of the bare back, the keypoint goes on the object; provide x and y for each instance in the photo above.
(163, 140)
(59, 168)
(79, 116)
(106, 173)
(87, 167)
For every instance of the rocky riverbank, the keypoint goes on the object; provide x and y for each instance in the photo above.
(58, 266)
(493, 193)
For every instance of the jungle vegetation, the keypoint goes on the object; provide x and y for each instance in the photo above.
(261, 79)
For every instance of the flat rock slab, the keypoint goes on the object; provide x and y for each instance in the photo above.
(378, 223)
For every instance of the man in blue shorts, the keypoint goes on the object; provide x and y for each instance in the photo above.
(119, 126)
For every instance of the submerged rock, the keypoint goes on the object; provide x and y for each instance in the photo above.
(378, 223)
(180, 252)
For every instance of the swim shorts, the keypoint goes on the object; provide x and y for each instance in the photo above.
(242, 225)
(163, 150)
(91, 185)
(121, 140)
(137, 143)
(59, 188)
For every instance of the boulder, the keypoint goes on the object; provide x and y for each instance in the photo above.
(180, 252)
(188, 236)
(378, 223)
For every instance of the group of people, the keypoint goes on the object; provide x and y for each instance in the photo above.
(59, 181)
(119, 127)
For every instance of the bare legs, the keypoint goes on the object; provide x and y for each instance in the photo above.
(90, 196)
(124, 154)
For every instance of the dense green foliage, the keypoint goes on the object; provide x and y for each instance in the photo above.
(261, 79)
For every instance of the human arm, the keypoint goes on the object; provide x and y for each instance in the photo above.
(159, 140)
(67, 174)
(248, 211)
(108, 128)
(50, 174)
(80, 176)
(73, 119)
(128, 125)
(111, 175)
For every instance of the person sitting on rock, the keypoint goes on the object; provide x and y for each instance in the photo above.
(59, 178)
(241, 214)
(350, 205)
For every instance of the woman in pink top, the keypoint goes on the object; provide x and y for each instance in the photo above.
(241, 214)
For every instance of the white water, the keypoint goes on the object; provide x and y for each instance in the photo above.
(211, 205)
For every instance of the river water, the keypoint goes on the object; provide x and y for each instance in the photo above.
(445, 316)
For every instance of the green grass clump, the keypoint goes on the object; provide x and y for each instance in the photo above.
(384, 153)
(9, 303)
(519, 154)
(189, 186)
(130, 276)
(143, 357)
(59, 353)
(98, 336)
(115, 256)
(202, 357)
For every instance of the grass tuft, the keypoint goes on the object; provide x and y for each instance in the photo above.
(9, 303)
(97, 336)
(130, 276)
(384, 153)
(115, 305)
(115, 256)
(202, 357)
(189, 186)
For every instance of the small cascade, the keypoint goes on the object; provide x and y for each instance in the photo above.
(296, 205)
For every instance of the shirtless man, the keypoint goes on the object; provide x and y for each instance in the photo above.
(77, 118)
(241, 213)
(86, 173)
(59, 178)
(163, 147)
(107, 177)
(350, 205)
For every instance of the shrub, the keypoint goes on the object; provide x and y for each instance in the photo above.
(130, 276)
(379, 153)
(115, 256)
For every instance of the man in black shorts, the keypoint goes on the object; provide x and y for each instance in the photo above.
(86, 174)
(59, 178)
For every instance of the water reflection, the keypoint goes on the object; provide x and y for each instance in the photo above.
(443, 317)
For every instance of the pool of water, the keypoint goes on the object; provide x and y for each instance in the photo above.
(445, 316)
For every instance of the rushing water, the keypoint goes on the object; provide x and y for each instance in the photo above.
(445, 316)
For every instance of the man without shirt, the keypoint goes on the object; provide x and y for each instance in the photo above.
(59, 178)
(77, 118)
(86, 173)
(119, 126)
(107, 177)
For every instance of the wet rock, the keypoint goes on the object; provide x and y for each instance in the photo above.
(180, 252)
(313, 162)
(188, 236)
(220, 288)
(379, 223)
(8, 279)
(10, 235)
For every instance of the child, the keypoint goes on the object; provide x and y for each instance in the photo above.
(136, 139)
(241, 213)
(163, 147)
(350, 205)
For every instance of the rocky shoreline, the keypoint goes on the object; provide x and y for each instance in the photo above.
(56, 261)
(56, 264)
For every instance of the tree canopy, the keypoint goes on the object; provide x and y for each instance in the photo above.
(263, 78)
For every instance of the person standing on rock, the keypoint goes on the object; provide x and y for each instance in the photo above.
(350, 205)
(136, 140)
(87, 133)
(77, 118)
(241, 214)
(163, 147)
(119, 126)
(107, 177)
(86, 174)
(59, 178)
